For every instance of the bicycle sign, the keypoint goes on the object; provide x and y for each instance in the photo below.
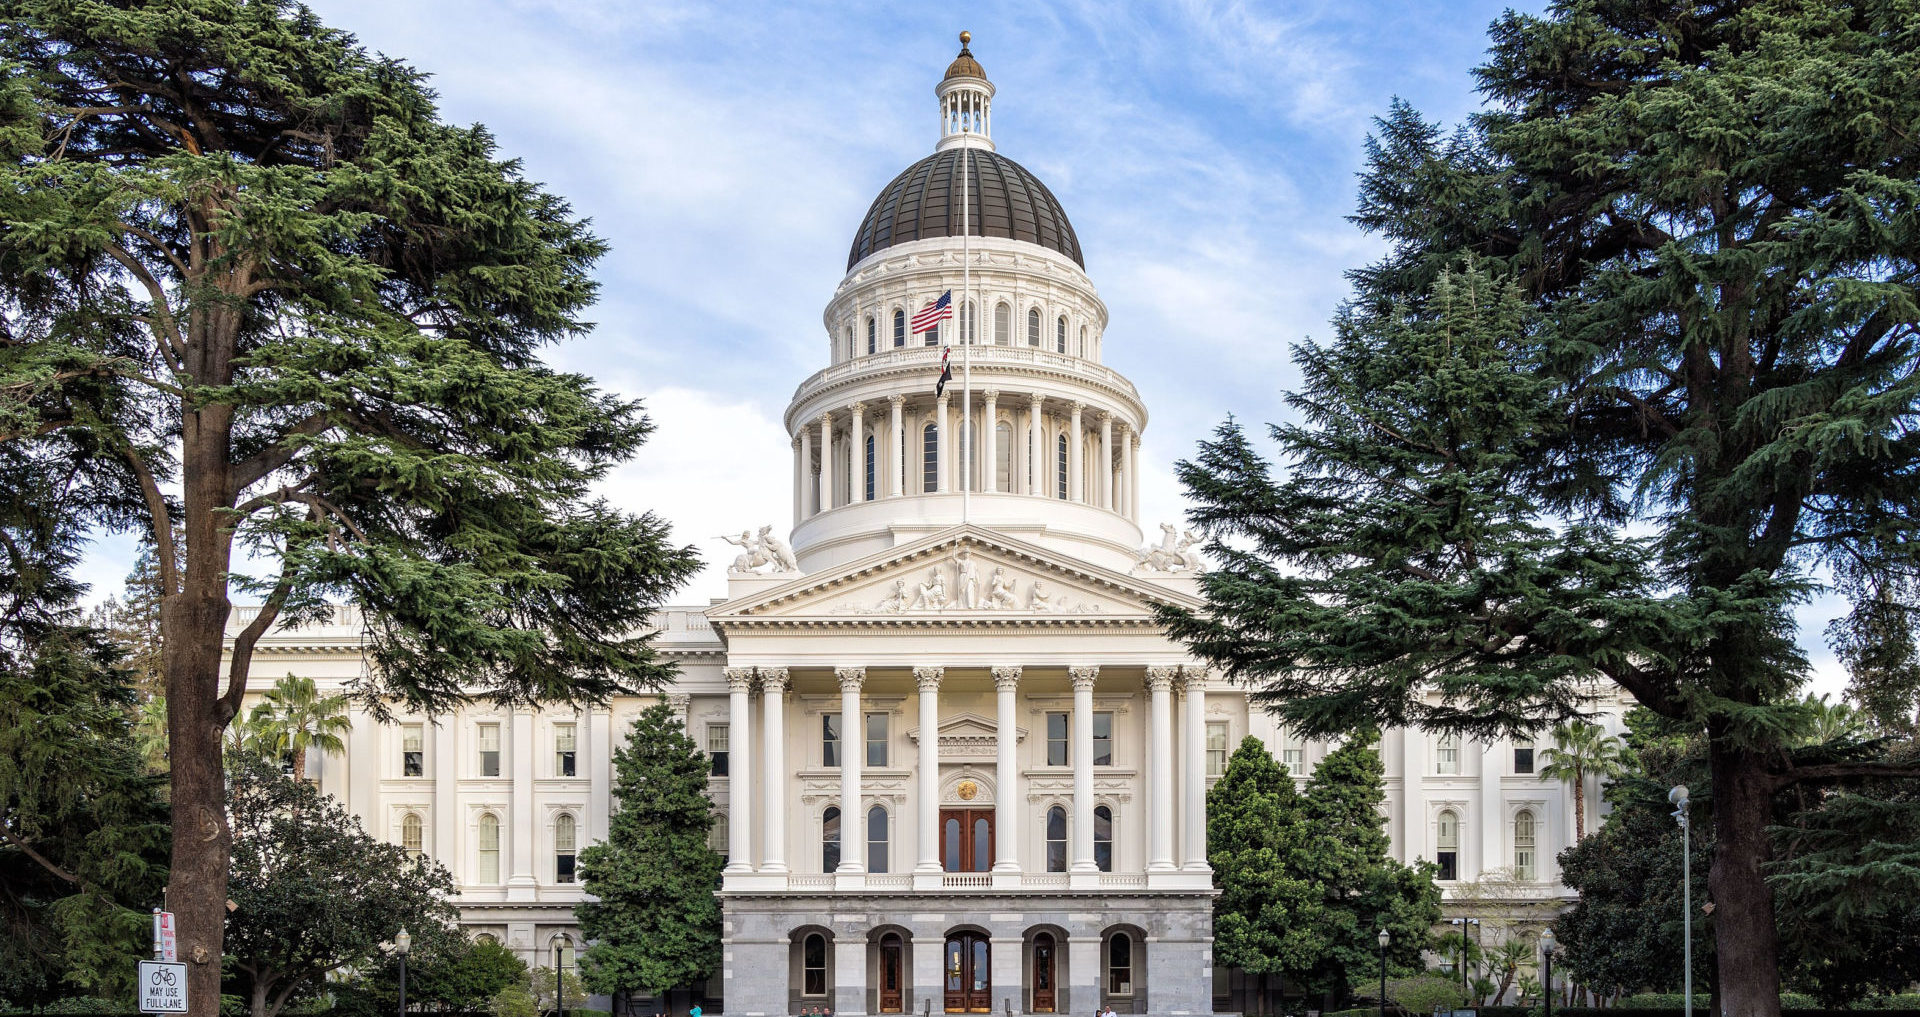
(163, 987)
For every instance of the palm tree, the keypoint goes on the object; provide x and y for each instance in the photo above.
(1507, 959)
(150, 733)
(293, 717)
(1580, 750)
(1831, 722)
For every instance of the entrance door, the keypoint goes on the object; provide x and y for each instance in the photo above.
(1043, 973)
(891, 963)
(969, 978)
(966, 840)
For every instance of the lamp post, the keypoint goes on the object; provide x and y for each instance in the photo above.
(1465, 992)
(401, 944)
(1678, 797)
(1546, 950)
(1383, 939)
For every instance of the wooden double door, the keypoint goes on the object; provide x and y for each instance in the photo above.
(966, 840)
(969, 973)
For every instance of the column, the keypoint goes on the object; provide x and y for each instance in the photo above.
(1007, 799)
(739, 771)
(895, 453)
(1082, 833)
(1122, 502)
(1413, 797)
(599, 760)
(990, 448)
(826, 461)
(773, 741)
(853, 751)
(963, 451)
(1036, 449)
(857, 455)
(446, 771)
(1493, 816)
(1194, 768)
(1160, 768)
(799, 479)
(521, 816)
(943, 454)
(806, 470)
(928, 679)
(1073, 453)
(1133, 476)
(1103, 474)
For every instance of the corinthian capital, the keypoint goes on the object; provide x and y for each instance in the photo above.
(1006, 677)
(1161, 678)
(851, 678)
(928, 678)
(739, 679)
(1083, 676)
(773, 679)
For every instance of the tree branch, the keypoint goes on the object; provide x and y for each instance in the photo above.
(1834, 771)
(253, 469)
(243, 644)
(40, 859)
(169, 333)
(162, 521)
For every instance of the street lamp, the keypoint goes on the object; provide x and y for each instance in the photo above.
(1678, 798)
(1546, 950)
(401, 944)
(1383, 939)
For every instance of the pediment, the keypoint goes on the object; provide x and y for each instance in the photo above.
(961, 575)
(968, 737)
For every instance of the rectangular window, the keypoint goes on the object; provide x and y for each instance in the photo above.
(563, 849)
(489, 750)
(563, 750)
(830, 739)
(1523, 755)
(717, 836)
(933, 336)
(1216, 747)
(413, 754)
(1057, 740)
(1103, 739)
(1293, 757)
(717, 736)
(1448, 864)
(1447, 759)
(929, 459)
(876, 739)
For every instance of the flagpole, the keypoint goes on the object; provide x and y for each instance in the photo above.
(966, 341)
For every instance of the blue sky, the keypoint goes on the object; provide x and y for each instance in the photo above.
(1205, 152)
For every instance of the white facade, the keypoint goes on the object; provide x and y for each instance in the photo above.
(987, 619)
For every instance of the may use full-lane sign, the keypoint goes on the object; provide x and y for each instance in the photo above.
(163, 987)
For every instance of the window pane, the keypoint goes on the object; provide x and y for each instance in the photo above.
(1103, 739)
(1060, 466)
(1447, 865)
(830, 739)
(1033, 327)
(982, 844)
(1002, 458)
(1057, 839)
(830, 840)
(410, 834)
(413, 756)
(1057, 739)
(489, 750)
(870, 468)
(1002, 325)
(1103, 838)
(876, 839)
(1216, 747)
(814, 961)
(871, 337)
(951, 845)
(1060, 335)
(412, 738)
(899, 328)
(929, 459)
(876, 739)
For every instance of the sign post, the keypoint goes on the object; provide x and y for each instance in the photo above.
(163, 943)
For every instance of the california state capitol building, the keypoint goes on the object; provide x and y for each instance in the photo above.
(956, 766)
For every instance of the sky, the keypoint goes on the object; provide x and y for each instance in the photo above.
(1205, 152)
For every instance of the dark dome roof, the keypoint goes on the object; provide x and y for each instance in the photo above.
(924, 201)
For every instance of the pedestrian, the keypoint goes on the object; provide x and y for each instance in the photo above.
(694, 1010)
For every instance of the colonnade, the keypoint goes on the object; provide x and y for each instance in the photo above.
(1116, 483)
(1160, 684)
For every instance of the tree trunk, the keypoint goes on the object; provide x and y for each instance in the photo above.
(202, 840)
(300, 764)
(1579, 806)
(1745, 941)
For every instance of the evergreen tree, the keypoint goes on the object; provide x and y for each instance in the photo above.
(1713, 218)
(652, 916)
(1343, 853)
(258, 295)
(1264, 919)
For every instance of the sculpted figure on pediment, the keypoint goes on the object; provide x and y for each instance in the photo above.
(1000, 591)
(764, 553)
(966, 581)
(933, 592)
(1039, 601)
(896, 599)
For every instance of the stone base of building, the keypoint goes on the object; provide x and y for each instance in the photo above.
(932, 953)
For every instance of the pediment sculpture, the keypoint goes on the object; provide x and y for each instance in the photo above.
(1174, 553)
(1000, 591)
(764, 553)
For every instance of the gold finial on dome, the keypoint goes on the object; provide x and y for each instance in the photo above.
(964, 65)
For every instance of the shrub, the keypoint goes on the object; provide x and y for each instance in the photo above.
(1423, 994)
(513, 1001)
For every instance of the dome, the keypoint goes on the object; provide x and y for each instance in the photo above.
(924, 202)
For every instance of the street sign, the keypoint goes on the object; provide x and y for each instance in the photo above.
(163, 987)
(163, 946)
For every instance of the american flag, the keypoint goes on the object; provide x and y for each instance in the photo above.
(935, 313)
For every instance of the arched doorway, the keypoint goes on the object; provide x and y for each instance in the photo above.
(893, 965)
(969, 973)
(1045, 959)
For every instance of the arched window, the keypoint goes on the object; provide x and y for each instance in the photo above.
(564, 829)
(1085, 350)
(1002, 324)
(850, 350)
(966, 324)
(813, 965)
(489, 873)
(1060, 467)
(1060, 335)
(830, 839)
(1003, 456)
(899, 328)
(870, 469)
(1103, 838)
(1446, 850)
(876, 839)
(1057, 839)
(410, 835)
(1120, 964)
(1033, 326)
(563, 953)
(1523, 845)
(873, 335)
(929, 459)
(487, 937)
